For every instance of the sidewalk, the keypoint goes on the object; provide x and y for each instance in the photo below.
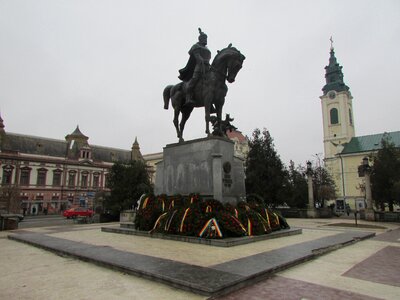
(365, 269)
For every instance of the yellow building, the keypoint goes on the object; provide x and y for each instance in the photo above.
(343, 150)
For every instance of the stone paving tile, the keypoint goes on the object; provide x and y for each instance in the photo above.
(392, 236)
(382, 267)
(272, 260)
(278, 287)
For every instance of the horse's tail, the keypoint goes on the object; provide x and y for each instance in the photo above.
(167, 95)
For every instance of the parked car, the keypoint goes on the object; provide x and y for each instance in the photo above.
(78, 211)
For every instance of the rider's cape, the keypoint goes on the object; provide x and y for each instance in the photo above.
(186, 73)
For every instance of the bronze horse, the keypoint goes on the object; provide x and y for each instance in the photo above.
(209, 92)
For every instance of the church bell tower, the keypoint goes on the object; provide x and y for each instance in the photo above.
(337, 109)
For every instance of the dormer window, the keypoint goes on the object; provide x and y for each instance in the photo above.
(86, 153)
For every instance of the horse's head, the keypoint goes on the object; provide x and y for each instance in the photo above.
(230, 60)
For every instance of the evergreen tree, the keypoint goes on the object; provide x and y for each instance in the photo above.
(385, 176)
(127, 183)
(298, 188)
(265, 172)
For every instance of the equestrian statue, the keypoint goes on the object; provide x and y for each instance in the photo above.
(203, 85)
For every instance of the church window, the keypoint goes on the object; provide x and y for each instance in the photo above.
(334, 116)
(350, 117)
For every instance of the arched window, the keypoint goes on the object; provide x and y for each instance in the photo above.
(334, 116)
(7, 174)
(350, 117)
(71, 178)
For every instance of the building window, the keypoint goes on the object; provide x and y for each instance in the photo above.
(107, 177)
(25, 176)
(7, 174)
(41, 177)
(84, 179)
(57, 177)
(71, 178)
(334, 116)
(96, 180)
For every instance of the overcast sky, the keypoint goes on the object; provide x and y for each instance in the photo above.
(103, 64)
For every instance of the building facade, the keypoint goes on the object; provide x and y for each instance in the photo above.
(343, 150)
(52, 175)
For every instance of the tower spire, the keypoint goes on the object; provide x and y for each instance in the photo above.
(135, 153)
(334, 74)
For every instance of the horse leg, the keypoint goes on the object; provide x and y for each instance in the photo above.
(176, 122)
(219, 119)
(185, 116)
(207, 117)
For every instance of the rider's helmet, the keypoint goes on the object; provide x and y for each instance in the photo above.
(202, 36)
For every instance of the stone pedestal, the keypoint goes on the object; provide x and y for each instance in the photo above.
(205, 166)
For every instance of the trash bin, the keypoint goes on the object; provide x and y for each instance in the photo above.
(8, 222)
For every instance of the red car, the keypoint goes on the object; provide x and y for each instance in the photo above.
(78, 211)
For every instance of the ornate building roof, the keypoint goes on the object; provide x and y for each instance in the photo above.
(58, 148)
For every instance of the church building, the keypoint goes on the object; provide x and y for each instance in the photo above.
(343, 150)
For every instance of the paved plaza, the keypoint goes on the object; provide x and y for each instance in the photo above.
(366, 267)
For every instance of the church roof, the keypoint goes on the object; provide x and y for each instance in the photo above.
(369, 143)
(334, 76)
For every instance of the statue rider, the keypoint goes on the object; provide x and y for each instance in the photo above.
(197, 66)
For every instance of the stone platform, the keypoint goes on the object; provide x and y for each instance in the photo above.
(228, 274)
(128, 228)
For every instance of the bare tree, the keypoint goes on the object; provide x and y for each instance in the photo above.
(10, 199)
